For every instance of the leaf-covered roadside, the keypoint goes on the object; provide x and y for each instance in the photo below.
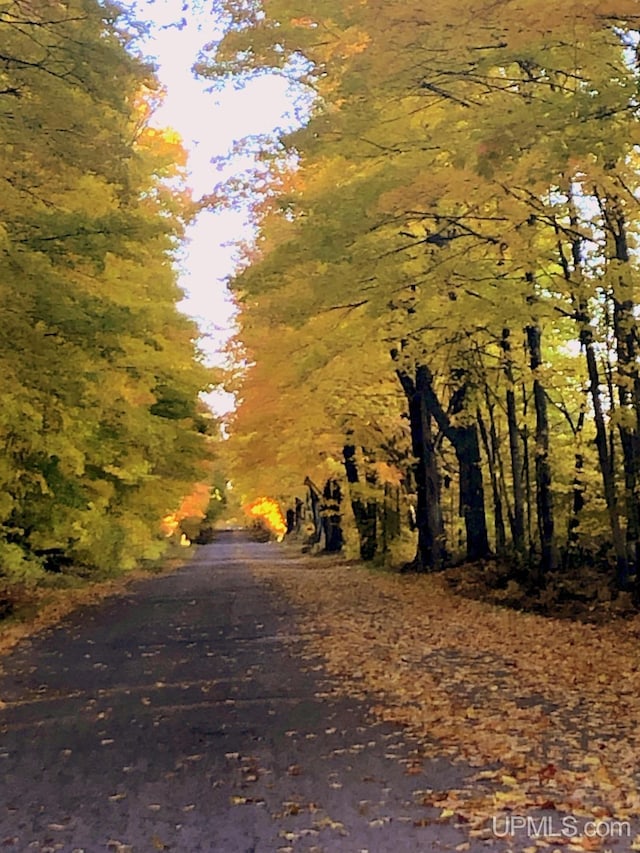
(546, 710)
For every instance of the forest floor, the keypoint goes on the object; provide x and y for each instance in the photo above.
(582, 592)
(548, 709)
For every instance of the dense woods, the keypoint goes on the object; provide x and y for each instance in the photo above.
(439, 314)
(437, 348)
(102, 431)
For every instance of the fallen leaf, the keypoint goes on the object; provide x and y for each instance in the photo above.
(246, 801)
(380, 821)
(503, 691)
(119, 847)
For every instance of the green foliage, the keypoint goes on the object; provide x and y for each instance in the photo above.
(98, 370)
(18, 567)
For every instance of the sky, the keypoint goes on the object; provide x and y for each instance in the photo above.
(209, 124)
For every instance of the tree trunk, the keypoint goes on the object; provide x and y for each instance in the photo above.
(626, 351)
(628, 376)
(390, 521)
(604, 438)
(331, 519)
(604, 456)
(291, 521)
(466, 445)
(544, 497)
(365, 513)
(526, 467)
(467, 449)
(430, 554)
(577, 504)
(517, 467)
(490, 450)
(314, 497)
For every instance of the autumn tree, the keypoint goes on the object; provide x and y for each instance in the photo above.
(468, 205)
(99, 370)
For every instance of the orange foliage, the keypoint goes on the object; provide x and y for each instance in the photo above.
(268, 511)
(192, 506)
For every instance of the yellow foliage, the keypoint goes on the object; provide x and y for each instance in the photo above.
(268, 511)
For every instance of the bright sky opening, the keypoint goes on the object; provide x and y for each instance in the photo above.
(210, 123)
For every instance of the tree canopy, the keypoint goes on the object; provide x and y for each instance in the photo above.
(448, 281)
(101, 425)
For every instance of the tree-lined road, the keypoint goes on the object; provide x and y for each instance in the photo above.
(182, 716)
